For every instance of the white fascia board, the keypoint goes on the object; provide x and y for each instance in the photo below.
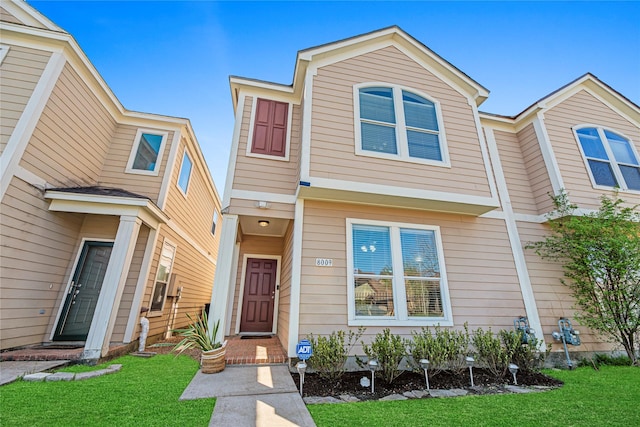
(30, 16)
(264, 196)
(548, 155)
(168, 170)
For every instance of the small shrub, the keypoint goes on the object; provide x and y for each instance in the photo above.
(605, 360)
(490, 352)
(388, 349)
(527, 356)
(330, 353)
(445, 349)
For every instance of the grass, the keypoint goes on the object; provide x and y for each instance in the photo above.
(608, 397)
(144, 393)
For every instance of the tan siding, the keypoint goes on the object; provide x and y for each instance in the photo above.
(113, 173)
(59, 150)
(21, 71)
(37, 249)
(515, 172)
(284, 304)
(255, 245)
(482, 280)
(552, 297)
(5, 16)
(250, 172)
(536, 169)
(584, 108)
(332, 129)
(248, 207)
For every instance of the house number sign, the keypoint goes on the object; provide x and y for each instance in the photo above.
(324, 262)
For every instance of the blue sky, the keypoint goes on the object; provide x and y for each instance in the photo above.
(175, 57)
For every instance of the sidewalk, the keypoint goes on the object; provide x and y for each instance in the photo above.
(251, 396)
(11, 371)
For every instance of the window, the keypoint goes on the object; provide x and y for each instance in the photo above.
(215, 222)
(147, 151)
(396, 274)
(270, 130)
(185, 172)
(396, 123)
(159, 294)
(610, 157)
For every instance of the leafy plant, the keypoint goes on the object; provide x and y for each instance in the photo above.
(490, 353)
(444, 348)
(330, 353)
(389, 350)
(527, 356)
(600, 253)
(197, 335)
(605, 360)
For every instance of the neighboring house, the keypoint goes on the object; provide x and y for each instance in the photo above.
(372, 192)
(104, 210)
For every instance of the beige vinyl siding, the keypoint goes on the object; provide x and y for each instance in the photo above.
(584, 108)
(552, 297)
(251, 172)
(482, 280)
(515, 173)
(248, 207)
(38, 248)
(254, 245)
(21, 71)
(5, 16)
(194, 273)
(113, 174)
(284, 304)
(536, 169)
(70, 142)
(332, 128)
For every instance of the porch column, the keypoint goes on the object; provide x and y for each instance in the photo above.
(104, 318)
(222, 280)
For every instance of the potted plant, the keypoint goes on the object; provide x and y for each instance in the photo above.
(197, 335)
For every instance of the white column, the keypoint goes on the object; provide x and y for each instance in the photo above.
(296, 274)
(222, 282)
(104, 318)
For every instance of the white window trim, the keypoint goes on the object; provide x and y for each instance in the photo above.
(612, 160)
(182, 191)
(166, 242)
(4, 49)
(401, 317)
(252, 124)
(215, 219)
(134, 151)
(400, 127)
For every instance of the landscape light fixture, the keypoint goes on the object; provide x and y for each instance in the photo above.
(425, 365)
(263, 223)
(302, 367)
(470, 361)
(373, 365)
(513, 368)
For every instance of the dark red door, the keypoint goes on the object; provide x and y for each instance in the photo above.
(259, 295)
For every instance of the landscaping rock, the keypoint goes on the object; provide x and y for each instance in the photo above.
(38, 376)
(394, 397)
(114, 368)
(442, 393)
(61, 376)
(348, 398)
(459, 392)
(86, 375)
(310, 400)
(517, 389)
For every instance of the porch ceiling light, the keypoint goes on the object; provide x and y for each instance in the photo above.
(263, 223)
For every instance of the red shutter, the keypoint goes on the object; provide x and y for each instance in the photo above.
(270, 129)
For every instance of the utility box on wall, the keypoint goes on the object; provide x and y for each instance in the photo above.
(174, 285)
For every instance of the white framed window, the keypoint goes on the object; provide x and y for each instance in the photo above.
(214, 222)
(146, 154)
(394, 122)
(165, 265)
(610, 158)
(4, 49)
(396, 275)
(185, 173)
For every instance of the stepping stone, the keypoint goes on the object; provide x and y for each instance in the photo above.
(394, 397)
(419, 394)
(61, 376)
(93, 374)
(38, 376)
(311, 400)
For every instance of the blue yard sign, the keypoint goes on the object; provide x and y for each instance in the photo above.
(304, 350)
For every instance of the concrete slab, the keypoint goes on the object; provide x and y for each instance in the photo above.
(11, 371)
(61, 376)
(241, 381)
(264, 410)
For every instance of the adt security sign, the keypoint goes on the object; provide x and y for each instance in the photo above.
(304, 349)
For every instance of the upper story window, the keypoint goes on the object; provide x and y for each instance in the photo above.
(270, 130)
(146, 154)
(611, 158)
(165, 265)
(396, 274)
(397, 123)
(185, 172)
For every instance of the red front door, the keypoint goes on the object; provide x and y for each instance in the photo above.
(259, 295)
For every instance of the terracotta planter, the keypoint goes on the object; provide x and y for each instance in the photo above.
(213, 361)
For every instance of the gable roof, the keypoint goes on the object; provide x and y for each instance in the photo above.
(28, 16)
(346, 48)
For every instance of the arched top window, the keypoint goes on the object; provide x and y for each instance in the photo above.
(610, 157)
(398, 123)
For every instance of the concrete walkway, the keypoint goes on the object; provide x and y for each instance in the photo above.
(251, 396)
(11, 371)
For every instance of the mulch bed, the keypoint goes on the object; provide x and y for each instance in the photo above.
(484, 382)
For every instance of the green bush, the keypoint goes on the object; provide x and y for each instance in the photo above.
(445, 349)
(490, 353)
(330, 353)
(527, 356)
(389, 350)
(598, 360)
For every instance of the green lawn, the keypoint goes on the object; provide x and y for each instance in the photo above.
(144, 393)
(608, 397)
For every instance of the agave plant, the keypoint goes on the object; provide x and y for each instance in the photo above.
(197, 335)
